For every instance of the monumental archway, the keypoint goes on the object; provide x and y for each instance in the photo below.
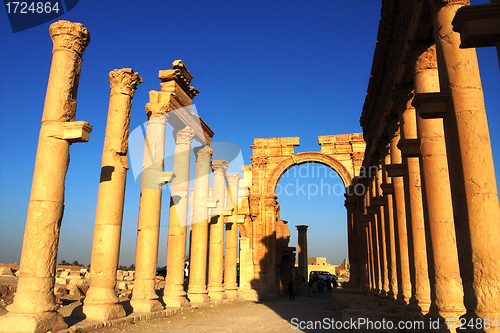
(262, 227)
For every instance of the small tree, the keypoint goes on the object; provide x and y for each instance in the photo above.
(64, 262)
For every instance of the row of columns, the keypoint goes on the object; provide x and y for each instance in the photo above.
(34, 308)
(425, 229)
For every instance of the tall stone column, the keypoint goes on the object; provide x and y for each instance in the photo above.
(410, 149)
(444, 271)
(34, 309)
(472, 173)
(302, 251)
(101, 302)
(174, 294)
(197, 290)
(396, 171)
(374, 212)
(231, 244)
(216, 251)
(381, 202)
(144, 297)
(390, 213)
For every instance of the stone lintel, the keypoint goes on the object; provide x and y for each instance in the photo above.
(395, 170)
(379, 201)
(479, 26)
(409, 147)
(387, 188)
(184, 117)
(275, 146)
(431, 105)
(227, 211)
(239, 219)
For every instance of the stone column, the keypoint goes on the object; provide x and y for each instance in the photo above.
(231, 244)
(390, 213)
(197, 290)
(410, 149)
(144, 297)
(34, 309)
(472, 173)
(381, 202)
(302, 251)
(374, 212)
(216, 250)
(444, 272)
(101, 302)
(174, 294)
(396, 171)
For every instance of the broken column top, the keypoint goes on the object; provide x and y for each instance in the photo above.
(180, 74)
(69, 35)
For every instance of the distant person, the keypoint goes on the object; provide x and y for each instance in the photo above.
(321, 285)
(328, 283)
(290, 290)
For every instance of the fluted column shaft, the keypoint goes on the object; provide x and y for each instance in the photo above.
(216, 252)
(444, 271)
(197, 290)
(472, 173)
(33, 309)
(231, 244)
(174, 294)
(101, 302)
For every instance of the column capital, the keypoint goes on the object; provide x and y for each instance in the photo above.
(233, 178)
(219, 167)
(124, 81)
(184, 136)
(69, 35)
(426, 57)
(203, 152)
(259, 162)
(302, 228)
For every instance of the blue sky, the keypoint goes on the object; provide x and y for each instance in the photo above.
(263, 68)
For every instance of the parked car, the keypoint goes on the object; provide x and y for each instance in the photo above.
(322, 275)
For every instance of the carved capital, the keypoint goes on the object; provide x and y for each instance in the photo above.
(219, 167)
(203, 153)
(438, 4)
(233, 178)
(271, 202)
(259, 162)
(69, 35)
(184, 136)
(124, 81)
(426, 59)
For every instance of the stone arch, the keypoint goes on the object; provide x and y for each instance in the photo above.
(302, 158)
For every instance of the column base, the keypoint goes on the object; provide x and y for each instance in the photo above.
(175, 301)
(32, 322)
(217, 295)
(198, 297)
(249, 294)
(103, 312)
(232, 293)
(146, 305)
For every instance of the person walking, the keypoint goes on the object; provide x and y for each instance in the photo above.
(290, 290)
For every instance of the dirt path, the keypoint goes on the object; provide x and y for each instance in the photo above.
(245, 316)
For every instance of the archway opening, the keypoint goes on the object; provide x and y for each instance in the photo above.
(312, 193)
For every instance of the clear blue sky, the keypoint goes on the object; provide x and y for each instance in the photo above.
(263, 68)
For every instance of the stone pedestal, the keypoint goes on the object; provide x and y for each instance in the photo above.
(101, 302)
(231, 243)
(444, 273)
(197, 290)
(215, 287)
(33, 309)
(144, 297)
(174, 294)
(472, 173)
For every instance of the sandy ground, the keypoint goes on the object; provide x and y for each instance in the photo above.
(244, 316)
